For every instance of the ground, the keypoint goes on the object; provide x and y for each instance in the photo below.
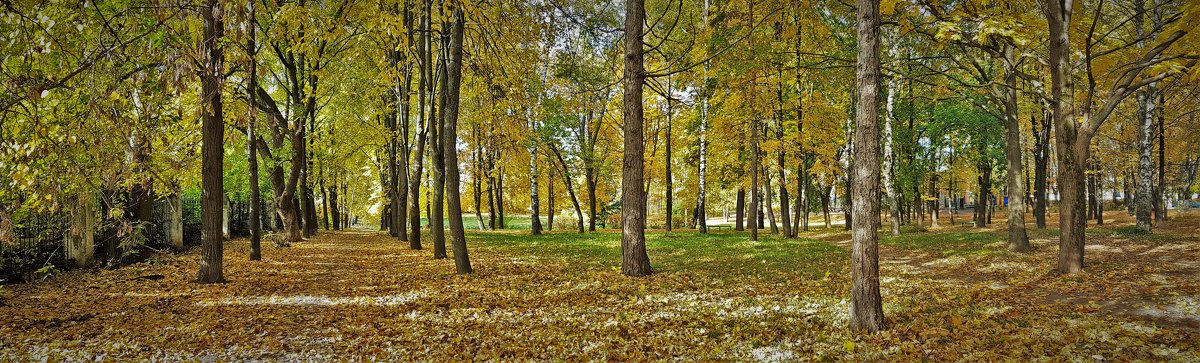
(950, 294)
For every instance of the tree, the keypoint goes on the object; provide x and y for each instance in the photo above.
(437, 155)
(252, 134)
(889, 154)
(462, 261)
(1018, 240)
(213, 149)
(1073, 138)
(1146, 101)
(634, 260)
(424, 121)
(866, 305)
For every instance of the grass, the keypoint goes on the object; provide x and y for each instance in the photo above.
(772, 257)
(469, 221)
(947, 243)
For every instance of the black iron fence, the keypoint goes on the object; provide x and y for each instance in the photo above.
(35, 242)
(37, 237)
(239, 217)
(31, 229)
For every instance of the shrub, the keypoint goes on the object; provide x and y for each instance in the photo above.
(565, 222)
(612, 220)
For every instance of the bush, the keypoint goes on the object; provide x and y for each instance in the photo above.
(566, 222)
(679, 221)
(612, 220)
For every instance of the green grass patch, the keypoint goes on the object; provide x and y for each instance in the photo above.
(947, 243)
(727, 255)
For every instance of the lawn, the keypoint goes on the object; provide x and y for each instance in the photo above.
(950, 294)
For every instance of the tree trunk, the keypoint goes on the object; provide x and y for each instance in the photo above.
(934, 206)
(847, 190)
(1097, 189)
(785, 217)
(702, 172)
(767, 197)
(550, 210)
(503, 223)
(395, 188)
(889, 156)
(306, 223)
(1072, 146)
(414, 182)
(740, 209)
(324, 204)
(670, 186)
(825, 207)
(491, 194)
(761, 213)
(1145, 170)
(1145, 117)
(1041, 162)
(799, 208)
(310, 199)
(385, 215)
(213, 148)
(400, 105)
(336, 211)
(754, 164)
(426, 121)
(634, 260)
(1129, 190)
(590, 176)
(437, 215)
(462, 262)
(566, 174)
(984, 180)
(1159, 200)
(866, 305)
(477, 180)
(535, 222)
(1018, 240)
(251, 145)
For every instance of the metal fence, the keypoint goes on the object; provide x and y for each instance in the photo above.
(48, 228)
(35, 229)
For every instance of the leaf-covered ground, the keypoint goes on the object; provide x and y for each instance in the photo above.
(951, 294)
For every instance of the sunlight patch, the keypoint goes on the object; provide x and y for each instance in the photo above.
(1002, 266)
(772, 354)
(948, 261)
(310, 300)
(1183, 307)
(1103, 248)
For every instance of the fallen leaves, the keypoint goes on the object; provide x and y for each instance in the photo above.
(365, 295)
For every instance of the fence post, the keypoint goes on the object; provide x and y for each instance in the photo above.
(79, 240)
(175, 226)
